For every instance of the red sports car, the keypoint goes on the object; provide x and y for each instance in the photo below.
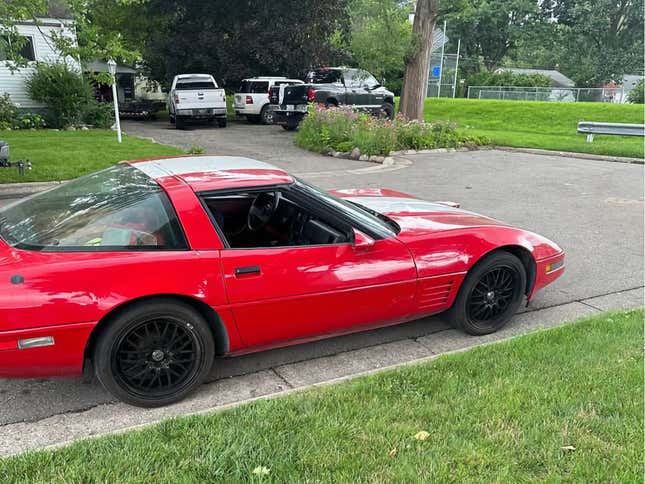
(146, 271)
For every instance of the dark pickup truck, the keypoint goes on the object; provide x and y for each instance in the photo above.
(331, 86)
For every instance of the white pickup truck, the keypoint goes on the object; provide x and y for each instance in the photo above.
(196, 97)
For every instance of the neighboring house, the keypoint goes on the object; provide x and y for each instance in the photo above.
(557, 78)
(39, 48)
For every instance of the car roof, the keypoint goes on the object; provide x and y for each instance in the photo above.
(207, 172)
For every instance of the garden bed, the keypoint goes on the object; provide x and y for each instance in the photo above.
(344, 132)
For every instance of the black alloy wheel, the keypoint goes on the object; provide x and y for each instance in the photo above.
(490, 295)
(154, 354)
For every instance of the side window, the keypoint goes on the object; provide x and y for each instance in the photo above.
(271, 219)
(116, 209)
(259, 87)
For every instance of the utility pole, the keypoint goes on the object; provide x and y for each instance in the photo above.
(454, 84)
(443, 47)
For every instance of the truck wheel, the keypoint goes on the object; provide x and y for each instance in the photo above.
(180, 123)
(266, 115)
(221, 122)
(171, 117)
(387, 111)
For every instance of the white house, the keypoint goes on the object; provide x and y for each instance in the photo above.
(39, 47)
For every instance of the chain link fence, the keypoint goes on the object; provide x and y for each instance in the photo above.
(552, 94)
(442, 84)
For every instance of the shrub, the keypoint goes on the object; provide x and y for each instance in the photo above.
(29, 121)
(196, 150)
(341, 129)
(637, 94)
(506, 78)
(99, 115)
(65, 92)
(8, 111)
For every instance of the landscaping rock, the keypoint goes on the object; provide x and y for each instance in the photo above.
(410, 152)
(85, 128)
(70, 128)
(355, 154)
(377, 159)
(363, 158)
(388, 161)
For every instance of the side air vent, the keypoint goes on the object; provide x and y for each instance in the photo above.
(435, 296)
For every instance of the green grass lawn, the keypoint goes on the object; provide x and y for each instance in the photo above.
(62, 155)
(545, 125)
(558, 405)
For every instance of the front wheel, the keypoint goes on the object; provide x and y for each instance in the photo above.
(490, 295)
(154, 353)
(387, 111)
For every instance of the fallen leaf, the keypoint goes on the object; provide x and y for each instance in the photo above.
(568, 448)
(261, 471)
(393, 453)
(422, 435)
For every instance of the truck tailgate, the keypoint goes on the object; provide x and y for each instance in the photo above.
(200, 99)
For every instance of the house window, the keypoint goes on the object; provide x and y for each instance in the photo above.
(22, 46)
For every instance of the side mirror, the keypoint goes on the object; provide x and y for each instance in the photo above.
(362, 241)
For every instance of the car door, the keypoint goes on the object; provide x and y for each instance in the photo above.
(292, 292)
(356, 91)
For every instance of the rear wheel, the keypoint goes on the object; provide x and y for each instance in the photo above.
(171, 117)
(221, 122)
(490, 295)
(154, 353)
(266, 115)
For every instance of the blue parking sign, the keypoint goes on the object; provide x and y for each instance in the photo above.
(436, 71)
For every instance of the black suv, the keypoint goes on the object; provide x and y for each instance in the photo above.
(331, 86)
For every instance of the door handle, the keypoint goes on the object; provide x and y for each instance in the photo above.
(247, 270)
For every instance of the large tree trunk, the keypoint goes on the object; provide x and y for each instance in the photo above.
(415, 83)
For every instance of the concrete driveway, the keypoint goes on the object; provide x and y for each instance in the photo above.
(593, 209)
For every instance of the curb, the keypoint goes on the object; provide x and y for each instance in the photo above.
(568, 154)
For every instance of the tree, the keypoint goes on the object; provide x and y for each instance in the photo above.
(233, 40)
(416, 67)
(90, 42)
(490, 29)
(379, 38)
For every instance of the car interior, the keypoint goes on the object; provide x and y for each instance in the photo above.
(271, 219)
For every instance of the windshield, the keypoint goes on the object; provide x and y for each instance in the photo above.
(194, 85)
(378, 224)
(113, 209)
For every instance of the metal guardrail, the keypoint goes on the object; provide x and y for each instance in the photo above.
(619, 129)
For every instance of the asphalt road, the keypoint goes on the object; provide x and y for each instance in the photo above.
(593, 209)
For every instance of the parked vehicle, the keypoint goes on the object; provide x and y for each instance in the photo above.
(331, 86)
(252, 98)
(196, 97)
(150, 269)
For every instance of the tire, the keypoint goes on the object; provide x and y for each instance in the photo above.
(171, 117)
(387, 110)
(222, 122)
(135, 357)
(266, 115)
(490, 295)
(330, 103)
(180, 123)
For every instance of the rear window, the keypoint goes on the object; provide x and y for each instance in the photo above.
(324, 76)
(190, 85)
(115, 209)
(254, 87)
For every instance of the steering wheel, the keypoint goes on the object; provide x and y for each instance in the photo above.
(262, 209)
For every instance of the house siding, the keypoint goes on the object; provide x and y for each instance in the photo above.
(44, 51)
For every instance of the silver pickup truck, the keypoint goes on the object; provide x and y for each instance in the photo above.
(196, 97)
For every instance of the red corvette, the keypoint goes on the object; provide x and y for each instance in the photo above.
(146, 271)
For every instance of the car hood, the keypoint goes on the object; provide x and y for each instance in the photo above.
(417, 218)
